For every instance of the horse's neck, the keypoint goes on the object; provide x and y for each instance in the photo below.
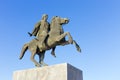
(55, 26)
(55, 30)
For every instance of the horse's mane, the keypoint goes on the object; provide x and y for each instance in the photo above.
(53, 21)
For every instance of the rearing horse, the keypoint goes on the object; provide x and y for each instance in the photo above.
(56, 37)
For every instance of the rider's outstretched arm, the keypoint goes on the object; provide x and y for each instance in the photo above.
(35, 30)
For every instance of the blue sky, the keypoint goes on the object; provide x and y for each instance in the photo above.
(94, 24)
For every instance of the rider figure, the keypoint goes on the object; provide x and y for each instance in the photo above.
(41, 30)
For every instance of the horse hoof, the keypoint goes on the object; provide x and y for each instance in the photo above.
(79, 50)
(54, 56)
(44, 65)
(38, 65)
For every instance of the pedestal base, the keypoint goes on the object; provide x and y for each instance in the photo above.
(56, 72)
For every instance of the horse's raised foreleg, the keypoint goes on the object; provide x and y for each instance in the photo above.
(41, 58)
(76, 45)
(70, 40)
(74, 42)
(64, 43)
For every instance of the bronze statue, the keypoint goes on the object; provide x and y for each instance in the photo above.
(56, 36)
(41, 30)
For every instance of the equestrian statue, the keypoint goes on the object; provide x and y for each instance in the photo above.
(48, 36)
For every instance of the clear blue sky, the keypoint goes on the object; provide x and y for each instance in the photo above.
(94, 24)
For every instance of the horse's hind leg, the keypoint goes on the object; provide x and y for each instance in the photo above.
(41, 58)
(53, 51)
(32, 59)
(63, 35)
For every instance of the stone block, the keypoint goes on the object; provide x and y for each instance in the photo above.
(63, 71)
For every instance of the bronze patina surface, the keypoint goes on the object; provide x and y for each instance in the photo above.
(48, 36)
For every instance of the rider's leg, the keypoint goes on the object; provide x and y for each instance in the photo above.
(41, 38)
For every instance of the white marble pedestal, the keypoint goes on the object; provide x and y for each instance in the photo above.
(55, 72)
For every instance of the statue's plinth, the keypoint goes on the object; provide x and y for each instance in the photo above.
(56, 72)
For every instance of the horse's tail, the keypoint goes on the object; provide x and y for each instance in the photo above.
(24, 49)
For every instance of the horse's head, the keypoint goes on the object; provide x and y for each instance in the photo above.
(60, 20)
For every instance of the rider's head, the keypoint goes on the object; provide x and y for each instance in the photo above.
(45, 17)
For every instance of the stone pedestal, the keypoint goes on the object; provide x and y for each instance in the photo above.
(56, 72)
